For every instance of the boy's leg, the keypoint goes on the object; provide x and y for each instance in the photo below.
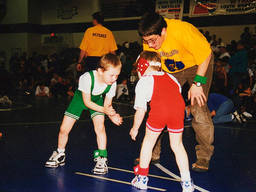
(72, 114)
(100, 155)
(65, 129)
(99, 128)
(147, 147)
(182, 161)
(58, 157)
(141, 171)
(180, 154)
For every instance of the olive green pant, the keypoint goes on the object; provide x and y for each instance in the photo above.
(202, 122)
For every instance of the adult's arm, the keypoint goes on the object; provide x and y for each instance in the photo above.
(196, 93)
(82, 55)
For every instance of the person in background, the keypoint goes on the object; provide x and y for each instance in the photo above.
(239, 65)
(42, 90)
(97, 41)
(222, 109)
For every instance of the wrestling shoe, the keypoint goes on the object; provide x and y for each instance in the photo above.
(187, 186)
(101, 166)
(56, 160)
(140, 182)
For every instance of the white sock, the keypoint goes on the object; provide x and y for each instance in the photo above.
(185, 176)
(232, 116)
(61, 150)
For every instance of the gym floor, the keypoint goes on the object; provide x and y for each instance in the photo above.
(30, 129)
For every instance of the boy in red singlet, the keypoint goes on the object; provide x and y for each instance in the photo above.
(167, 107)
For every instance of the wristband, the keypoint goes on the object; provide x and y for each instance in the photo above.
(200, 79)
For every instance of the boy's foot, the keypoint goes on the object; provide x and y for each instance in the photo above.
(201, 165)
(101, 166)
(56, 160)
(140, 182)
(187, 186)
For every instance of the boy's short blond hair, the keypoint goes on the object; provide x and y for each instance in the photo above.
(109, 60)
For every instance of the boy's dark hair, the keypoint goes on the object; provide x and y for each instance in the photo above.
(151, 23)
(98, 17)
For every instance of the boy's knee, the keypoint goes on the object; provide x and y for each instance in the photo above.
(64, 131)
(175, 146)
(100, 129)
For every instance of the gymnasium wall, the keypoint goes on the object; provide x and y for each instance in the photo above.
(85, 8)
(16, 12)
(28, 22)
(228, 33)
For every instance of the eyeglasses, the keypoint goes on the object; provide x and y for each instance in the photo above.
(151, 41)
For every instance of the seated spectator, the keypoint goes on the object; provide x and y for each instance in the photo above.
(59, 89)
(222, 109)
(42, 90)
(224, 54)
(5, 102)
(220, 80)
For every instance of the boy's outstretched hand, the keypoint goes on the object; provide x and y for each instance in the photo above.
(109, 110)
(133, 133)
(116, 119)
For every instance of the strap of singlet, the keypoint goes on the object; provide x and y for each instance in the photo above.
(92, 79)
(92, 86)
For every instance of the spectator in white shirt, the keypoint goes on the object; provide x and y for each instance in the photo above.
(42, 90)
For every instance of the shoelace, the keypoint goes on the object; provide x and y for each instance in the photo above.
(101, 162)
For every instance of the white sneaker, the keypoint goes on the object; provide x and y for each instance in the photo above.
(187, 186)
(101, 165)
(56, 159)
(246, 114)
(140, 182)
(237, 117)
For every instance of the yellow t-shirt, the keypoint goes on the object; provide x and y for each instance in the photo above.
(183, 47)
(97, 41)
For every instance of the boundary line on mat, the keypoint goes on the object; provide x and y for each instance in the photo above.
(150, 175)
(115, 180)
(50, 122)
(87, 120)
(15, 108)
(162, 168)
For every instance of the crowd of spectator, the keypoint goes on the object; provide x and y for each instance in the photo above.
(235, 70)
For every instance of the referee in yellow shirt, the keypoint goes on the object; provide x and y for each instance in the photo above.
(97, 41)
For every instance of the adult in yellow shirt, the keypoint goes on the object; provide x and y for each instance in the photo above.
(97, 41)
(187, 55)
